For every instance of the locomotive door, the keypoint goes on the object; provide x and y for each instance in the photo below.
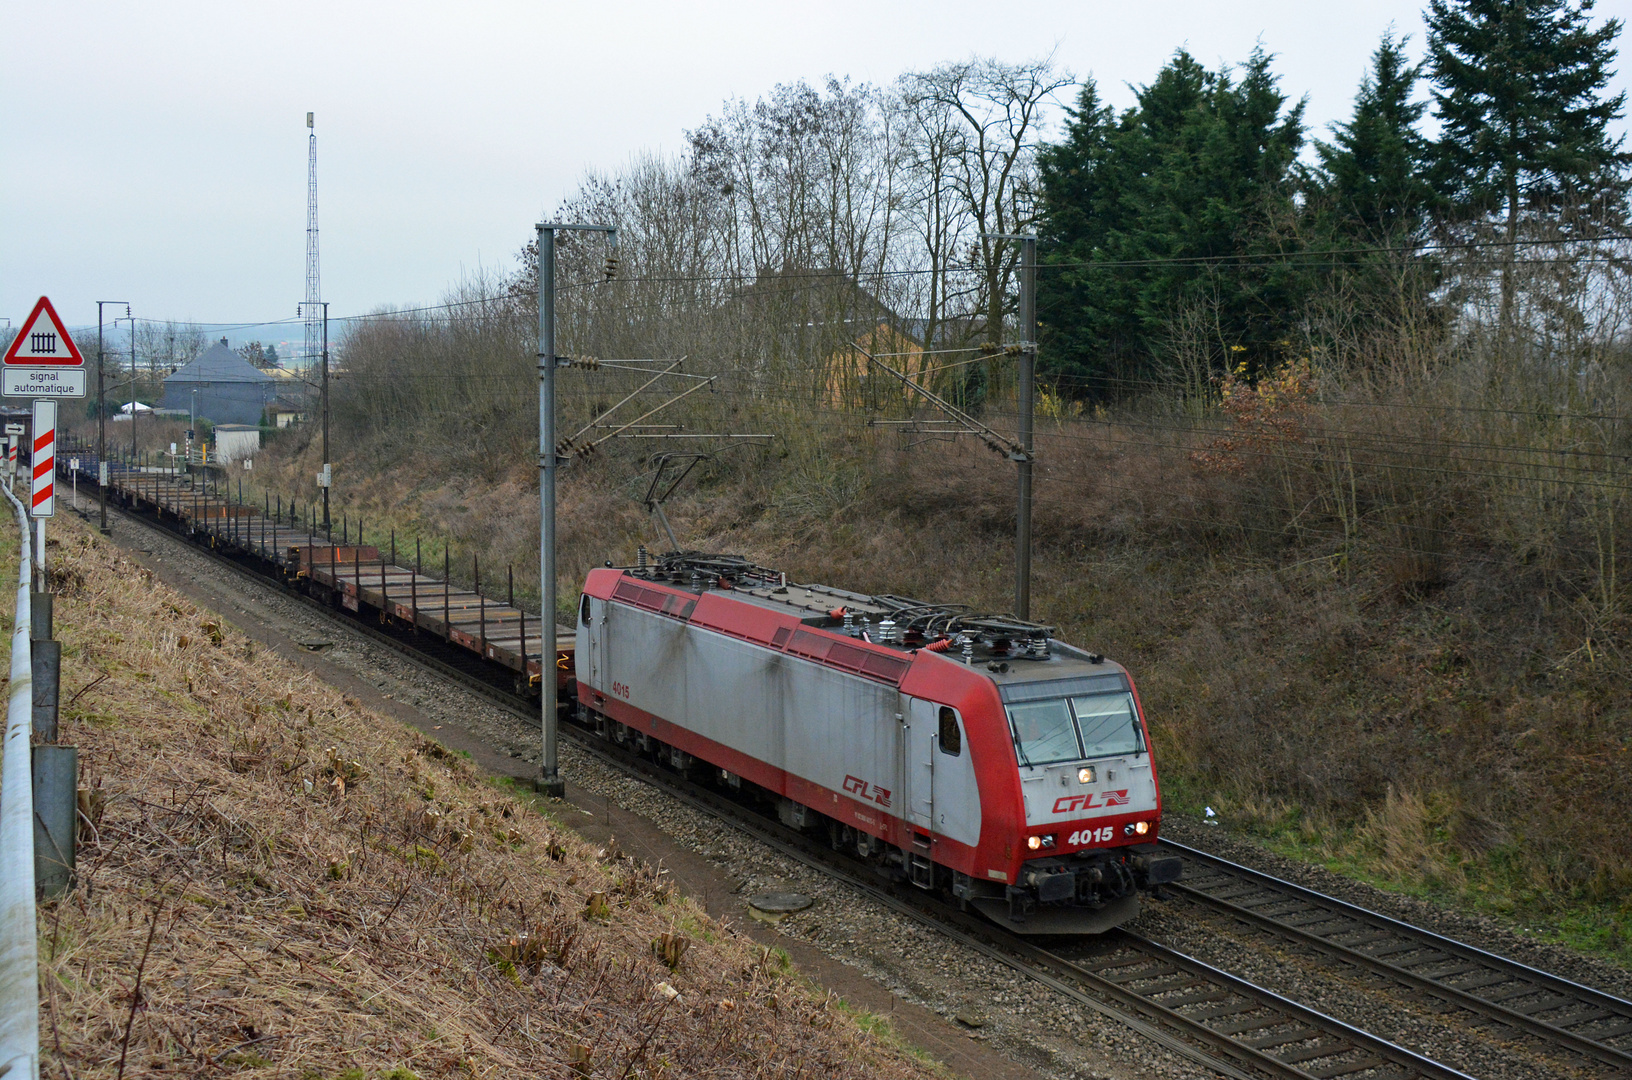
(594, 613)
(918, 775)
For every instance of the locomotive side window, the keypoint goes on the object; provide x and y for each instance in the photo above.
(583, 610)
(1044, 732)
(1109, 725)
(951, 738)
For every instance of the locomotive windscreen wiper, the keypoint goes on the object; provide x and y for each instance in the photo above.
(1045, 729)
(1108, 724)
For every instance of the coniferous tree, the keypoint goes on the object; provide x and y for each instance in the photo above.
(1078, 200)
(1518, 89)
(1369, 206)
(1375, 187)
(1163, 210)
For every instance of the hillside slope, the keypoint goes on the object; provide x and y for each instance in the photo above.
(279, 883)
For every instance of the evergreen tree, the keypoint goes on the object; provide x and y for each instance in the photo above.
(1078, 197)
(1375, 185)
(1525, 127)
(1161, 212)
(1369, 204)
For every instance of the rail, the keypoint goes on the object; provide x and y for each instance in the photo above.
(19, 941)
(1577, 1018)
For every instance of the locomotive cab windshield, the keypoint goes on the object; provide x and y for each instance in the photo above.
(1073, 720)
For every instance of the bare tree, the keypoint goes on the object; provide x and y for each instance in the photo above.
(163, 347)
(979, 121)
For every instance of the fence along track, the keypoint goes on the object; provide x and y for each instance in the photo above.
(19, 944)
(1563, 1013)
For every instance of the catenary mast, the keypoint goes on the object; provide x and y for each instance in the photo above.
(314, 291)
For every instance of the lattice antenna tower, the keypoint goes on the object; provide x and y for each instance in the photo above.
(314, 288)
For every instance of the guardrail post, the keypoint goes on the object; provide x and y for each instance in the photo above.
(56, 817)
(45, 657)
(55, 768)
(46, 662)
(39, 618)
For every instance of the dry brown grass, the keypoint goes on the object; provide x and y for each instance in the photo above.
(279, 883)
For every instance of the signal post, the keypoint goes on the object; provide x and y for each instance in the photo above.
(44, 366)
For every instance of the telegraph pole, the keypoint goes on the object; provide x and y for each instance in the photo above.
(328, 477)
(1028, 404)
(102, 416)
(549, 780)
(133, 391)
(1027, 407)
(314, 292)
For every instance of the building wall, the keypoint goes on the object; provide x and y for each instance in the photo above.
(221, 403)
(236, 444)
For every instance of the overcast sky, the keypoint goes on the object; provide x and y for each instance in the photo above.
(155, 151)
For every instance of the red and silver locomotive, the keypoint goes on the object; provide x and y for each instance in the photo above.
(966, 752)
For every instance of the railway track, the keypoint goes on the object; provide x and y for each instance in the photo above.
(1199, 1012)
(1559, 1013)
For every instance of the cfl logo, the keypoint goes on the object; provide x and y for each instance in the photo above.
(1070, 804)
(860, 788)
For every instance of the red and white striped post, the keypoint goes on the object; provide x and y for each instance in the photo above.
(44, 501)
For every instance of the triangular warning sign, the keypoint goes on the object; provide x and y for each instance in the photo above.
(44, 341)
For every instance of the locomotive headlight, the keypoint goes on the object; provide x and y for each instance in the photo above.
(1085, 775)
(1137, 828)
(1038, 843)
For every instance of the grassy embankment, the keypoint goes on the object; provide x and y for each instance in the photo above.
(276, 882)
(1386, 636)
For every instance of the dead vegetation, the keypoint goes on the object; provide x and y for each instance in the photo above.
(274, 882)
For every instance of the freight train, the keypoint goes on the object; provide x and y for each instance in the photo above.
(970, 754)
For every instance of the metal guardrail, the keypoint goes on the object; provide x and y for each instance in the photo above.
(19, 942)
